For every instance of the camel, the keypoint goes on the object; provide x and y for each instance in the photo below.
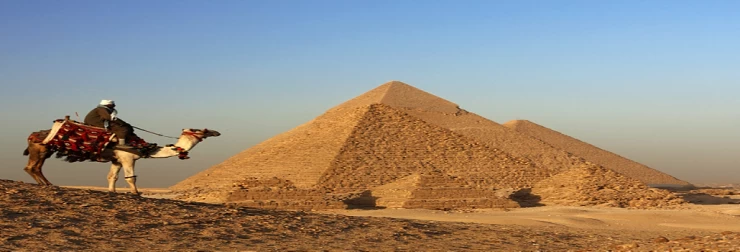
(119, 157)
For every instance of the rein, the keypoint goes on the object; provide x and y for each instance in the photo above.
(182, 153)
(153, 132)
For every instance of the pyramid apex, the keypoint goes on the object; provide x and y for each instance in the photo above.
(394, 83)
(401, 95)
(398, 94)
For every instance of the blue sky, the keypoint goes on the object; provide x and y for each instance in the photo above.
(655, 81)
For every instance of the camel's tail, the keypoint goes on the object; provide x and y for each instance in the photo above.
(25, 152)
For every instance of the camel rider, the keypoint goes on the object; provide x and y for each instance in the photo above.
(105, 113)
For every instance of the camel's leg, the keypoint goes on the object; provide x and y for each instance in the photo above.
(38, 169)
(128, 171)
(115, 168)
(30, 171)
(35, 159)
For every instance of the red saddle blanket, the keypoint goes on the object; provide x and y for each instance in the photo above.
(80, 142)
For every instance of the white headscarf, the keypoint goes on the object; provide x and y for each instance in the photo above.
(107, 102)
(114, 113)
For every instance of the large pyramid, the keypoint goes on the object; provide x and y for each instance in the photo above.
(376, 143)
(596, 155)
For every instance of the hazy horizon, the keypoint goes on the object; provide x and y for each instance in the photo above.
(655, 82)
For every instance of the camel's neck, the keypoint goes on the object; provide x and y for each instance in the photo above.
(186, 142)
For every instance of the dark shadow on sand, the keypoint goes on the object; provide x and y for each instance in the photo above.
(706, 199)
(525, 198)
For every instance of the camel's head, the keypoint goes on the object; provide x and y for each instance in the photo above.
(201, 133)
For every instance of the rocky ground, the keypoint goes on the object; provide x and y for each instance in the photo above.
(35, 218)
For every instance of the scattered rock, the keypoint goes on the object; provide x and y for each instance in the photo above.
(660, 239)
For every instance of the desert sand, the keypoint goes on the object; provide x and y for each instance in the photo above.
(36, 218)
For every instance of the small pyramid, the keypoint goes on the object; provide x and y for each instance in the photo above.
(596, 155)
(395, 195)
(277, 193)
(436, 190)
(599, 186)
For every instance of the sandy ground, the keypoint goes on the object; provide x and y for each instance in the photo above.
(703, 218)
(35, 218)
(710, 216)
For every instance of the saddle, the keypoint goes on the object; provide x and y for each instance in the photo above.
(80, 142)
